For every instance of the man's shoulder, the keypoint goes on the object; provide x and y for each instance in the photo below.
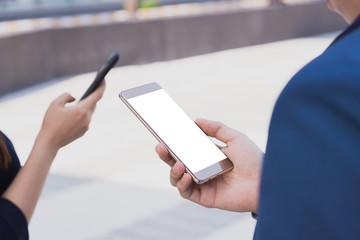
(345, 52)
(337, 65)
(347, 48)
(333, 78)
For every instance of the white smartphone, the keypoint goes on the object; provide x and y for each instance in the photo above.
(185, 141)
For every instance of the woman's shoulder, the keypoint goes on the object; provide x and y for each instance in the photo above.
(8, 142)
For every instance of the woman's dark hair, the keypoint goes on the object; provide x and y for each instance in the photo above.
(5, 157)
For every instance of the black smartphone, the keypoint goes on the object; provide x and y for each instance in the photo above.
(101, 74)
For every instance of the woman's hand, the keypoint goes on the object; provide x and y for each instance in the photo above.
(237, 190)
(63, 124)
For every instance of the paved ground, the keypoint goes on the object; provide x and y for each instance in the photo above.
(110, 184)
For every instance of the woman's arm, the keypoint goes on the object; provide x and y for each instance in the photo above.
(62, 124)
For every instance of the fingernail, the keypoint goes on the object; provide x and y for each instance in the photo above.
(175, 171)
(182, 180)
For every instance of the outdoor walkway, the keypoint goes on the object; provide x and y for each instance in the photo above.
(110, 184)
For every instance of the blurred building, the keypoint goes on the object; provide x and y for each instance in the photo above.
(74, 36)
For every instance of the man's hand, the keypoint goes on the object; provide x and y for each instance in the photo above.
(237, 190)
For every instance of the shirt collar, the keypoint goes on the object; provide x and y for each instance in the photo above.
(355, 25)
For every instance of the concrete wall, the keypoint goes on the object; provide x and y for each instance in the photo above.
(40, 56)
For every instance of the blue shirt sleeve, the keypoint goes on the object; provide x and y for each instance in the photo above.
(13, 224)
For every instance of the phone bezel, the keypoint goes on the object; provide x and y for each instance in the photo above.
(199, 177)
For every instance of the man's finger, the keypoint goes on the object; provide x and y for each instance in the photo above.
(217, 130)
(164, 154)
(176, 173)
(184, 187)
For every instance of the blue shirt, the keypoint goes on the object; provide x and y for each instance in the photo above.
(310, 187)
(13, 224)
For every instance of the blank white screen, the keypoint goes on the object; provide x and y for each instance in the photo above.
(177, 130)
